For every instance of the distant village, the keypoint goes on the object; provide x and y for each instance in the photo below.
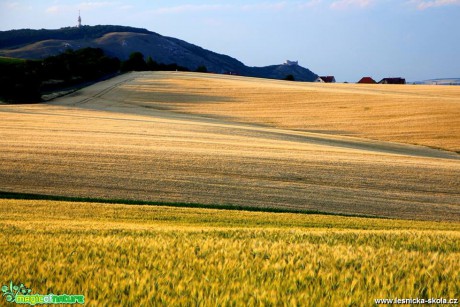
(364, 80)
(369, 80)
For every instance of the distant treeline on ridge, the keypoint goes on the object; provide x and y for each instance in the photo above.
(28, 80)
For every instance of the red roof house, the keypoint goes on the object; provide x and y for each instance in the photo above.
(367, 80)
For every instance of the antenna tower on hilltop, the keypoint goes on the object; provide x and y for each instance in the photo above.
(79, 19)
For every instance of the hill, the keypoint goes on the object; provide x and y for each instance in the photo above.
(6, 60)
(17, 38)
(119, 41)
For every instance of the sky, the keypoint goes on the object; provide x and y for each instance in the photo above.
(413, 39)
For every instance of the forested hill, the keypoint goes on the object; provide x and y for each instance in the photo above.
(121, 42)
(17, 38)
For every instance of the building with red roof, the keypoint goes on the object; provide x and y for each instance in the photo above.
(367, 80)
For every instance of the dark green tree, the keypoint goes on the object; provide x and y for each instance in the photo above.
(201, 68)
(151, 64)
(289, 78)
(135, 62)
(20, 82)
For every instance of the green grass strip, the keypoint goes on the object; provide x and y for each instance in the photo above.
(29, 196)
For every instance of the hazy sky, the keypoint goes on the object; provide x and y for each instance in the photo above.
(415, 39)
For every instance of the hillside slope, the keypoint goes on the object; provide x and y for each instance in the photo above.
(420, 115)
(122, 41)
(131, 138)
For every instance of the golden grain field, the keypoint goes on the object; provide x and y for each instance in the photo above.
(119, 255)
(424, 115)
(187, 137)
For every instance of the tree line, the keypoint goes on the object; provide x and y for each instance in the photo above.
(136, 62)
(28, 80)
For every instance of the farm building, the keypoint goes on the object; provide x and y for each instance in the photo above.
(367, 80)
(393, 81)
(326, 79)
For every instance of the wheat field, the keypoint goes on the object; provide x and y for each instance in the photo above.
(119, 255)
(424, 115)
(186, 137)
(222, 141)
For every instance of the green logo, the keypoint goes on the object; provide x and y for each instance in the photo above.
(22, 295)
